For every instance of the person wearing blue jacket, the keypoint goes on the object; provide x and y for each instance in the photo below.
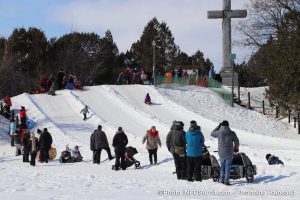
(194, 143)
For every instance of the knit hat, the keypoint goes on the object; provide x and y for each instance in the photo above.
(39, 131)
(225, 123)
(120, 129)
(99, 127)
(45, 129)
(153, 127)
(193, 123)
(268, 156)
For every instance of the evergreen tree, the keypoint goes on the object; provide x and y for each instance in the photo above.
(166, 49)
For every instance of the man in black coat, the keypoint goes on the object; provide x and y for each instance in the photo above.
(60, 78)
(177, 146)
(45, 142)
(120, 141)
(99, 142)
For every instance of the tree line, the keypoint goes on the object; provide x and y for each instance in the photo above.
(27, 54)
(274, 30)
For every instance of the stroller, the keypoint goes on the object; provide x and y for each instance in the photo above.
(210, 167)
(129, 159)
(242, 167)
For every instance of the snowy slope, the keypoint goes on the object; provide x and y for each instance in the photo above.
(114, 106)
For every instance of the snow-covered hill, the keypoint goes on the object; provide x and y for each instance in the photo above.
(114, 106)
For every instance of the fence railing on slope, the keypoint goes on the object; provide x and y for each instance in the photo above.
(271, 110)
(202, 81)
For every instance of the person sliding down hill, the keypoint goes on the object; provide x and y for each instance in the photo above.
(273, 160)
(148, 99)
(84, 111)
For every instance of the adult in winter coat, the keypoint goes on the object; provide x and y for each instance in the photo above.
(226, 139)
(60, 78)
(153, 141)
(120, 141)
(84, 111)
(25, 143)
(99, 142)
(32, 148)
(177, 146)
(45, 142)
(23, 116)
(194, 143)
(17, 141)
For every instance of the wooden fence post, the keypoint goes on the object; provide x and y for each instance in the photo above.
(249, 104)
(277, 112)
(263, 106)
(295, 120)
(289, 115)
(239, 93)
(298, 122)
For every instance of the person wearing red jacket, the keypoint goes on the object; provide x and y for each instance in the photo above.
(8, 104)
(23, 116)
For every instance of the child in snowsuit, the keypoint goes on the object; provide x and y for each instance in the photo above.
(77, 157)
(147, 99)
(273, 160)
(84, 111)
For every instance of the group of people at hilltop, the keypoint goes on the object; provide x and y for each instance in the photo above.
(134, 76)
(50, 84)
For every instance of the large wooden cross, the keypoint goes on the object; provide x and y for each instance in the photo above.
(226, 14)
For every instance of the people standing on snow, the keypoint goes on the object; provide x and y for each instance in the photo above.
(45, 142)
(177, 146)
(147, 99)
(60, 78)
(194, 144)
(12, 129)
(273, 160)
(8, 104)
(23, 117)
(33, 148)
(153, 140)
(84, 111)
(120, 141)
(99, 142)
(226, 139)
(25, 143)
(17, 141)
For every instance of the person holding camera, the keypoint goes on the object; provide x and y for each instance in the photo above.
(226, 140)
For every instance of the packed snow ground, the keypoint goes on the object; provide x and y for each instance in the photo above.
(114, 106)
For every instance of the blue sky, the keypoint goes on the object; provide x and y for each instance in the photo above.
(187, 19)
